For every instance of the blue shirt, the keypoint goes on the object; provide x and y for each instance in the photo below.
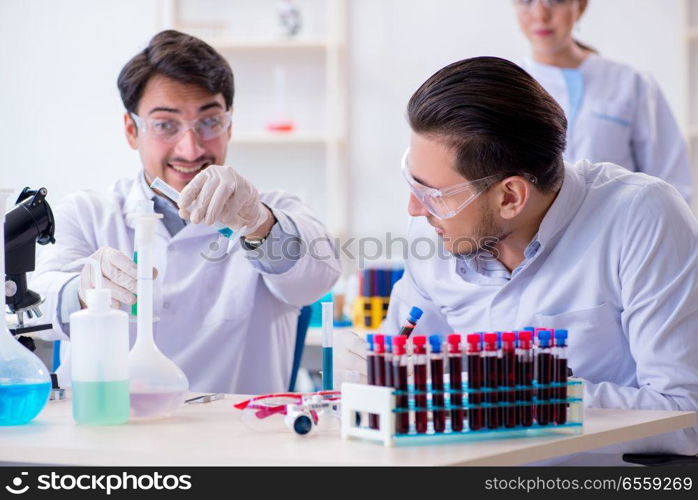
(615, 261)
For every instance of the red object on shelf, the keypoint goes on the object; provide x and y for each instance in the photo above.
(281, 126)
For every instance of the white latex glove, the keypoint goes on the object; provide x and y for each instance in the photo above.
(118, 275)
(348, 357)
(220, 194)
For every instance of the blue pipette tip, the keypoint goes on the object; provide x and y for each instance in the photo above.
(415, 313)
(226, 231)
(436, 341)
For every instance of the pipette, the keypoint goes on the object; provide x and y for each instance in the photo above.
(327, 323)
(173, 195)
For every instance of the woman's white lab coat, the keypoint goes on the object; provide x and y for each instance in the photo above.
(228, 325)
(616, 114)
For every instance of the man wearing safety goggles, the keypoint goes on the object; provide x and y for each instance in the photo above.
(608, 254)
(228, 319)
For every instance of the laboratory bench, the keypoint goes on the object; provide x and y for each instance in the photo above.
(216, 434)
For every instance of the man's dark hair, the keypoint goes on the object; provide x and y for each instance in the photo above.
(180, 57)
(497, 119)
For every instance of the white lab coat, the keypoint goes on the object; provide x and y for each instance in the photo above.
(615, 262)
(228, 325)
(616, 114)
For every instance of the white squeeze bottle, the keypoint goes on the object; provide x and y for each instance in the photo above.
(99, 352)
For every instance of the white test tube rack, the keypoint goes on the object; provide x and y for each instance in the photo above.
(381, 401)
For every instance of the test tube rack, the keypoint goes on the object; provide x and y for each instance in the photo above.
(365, 399)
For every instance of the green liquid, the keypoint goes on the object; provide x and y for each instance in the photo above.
(100, 403)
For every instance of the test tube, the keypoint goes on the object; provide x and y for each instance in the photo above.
(371, 374)
(476, 416)
(160, 185)
(455, 369)
(378, 368)
(400, 360)
(544, 376)
(388, 358)
(509, 378)
(327, 324)
(410, 322)
(436, 360)
(560, 376)
(419, 359)
(491, 380)
(524, 377)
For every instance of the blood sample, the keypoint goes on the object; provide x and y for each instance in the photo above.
(402, 419)
(378, 372)
(490, 365)
(436, 360)
(509, 378)
(544, 377)
(476, 416)
(524, 377)
(560, 376)
(388, 357)
(419, 359)
(455, 369)
(370, 374)
(411, 322)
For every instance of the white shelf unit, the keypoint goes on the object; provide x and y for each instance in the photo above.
(326, 139)
(691, 58)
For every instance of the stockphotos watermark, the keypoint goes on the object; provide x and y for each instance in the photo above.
(362, 250)
(103, 483)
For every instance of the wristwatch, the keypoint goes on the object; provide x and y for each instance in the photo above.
(255, 243)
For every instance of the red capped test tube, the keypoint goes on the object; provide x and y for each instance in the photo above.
(400, 382)
(490, 364)
(378, 372)
(544, 377)
(476, 416)
(524, 377)
(455, 369)
(436, 363)
(419, 360)
(509, 378)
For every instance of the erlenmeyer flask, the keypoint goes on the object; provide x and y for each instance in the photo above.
(157, 385)
(24, 379)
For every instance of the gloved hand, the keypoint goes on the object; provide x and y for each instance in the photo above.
(118, 274)
(220, 194)
(348, 356)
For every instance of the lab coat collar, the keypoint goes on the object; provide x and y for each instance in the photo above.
(565, 206)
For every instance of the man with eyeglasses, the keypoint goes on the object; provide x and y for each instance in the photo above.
(608, 254)
(228, 309)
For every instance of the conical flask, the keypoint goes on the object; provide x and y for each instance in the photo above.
(157, 386)
(25, 384)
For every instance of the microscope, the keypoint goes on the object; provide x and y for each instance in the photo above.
(28, 223)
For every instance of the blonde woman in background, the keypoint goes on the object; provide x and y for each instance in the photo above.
(615, 113)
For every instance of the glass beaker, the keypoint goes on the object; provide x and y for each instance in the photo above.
(157, 386)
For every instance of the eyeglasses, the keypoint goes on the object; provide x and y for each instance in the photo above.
(171, 130)
(436, 201)
(550, 4)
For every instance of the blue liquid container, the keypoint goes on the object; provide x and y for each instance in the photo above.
(21, 401)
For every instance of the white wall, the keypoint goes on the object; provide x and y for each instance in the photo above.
(61, 124)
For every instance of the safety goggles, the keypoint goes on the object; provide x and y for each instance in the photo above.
(444, 203)
(550, 4)
(172, 130)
